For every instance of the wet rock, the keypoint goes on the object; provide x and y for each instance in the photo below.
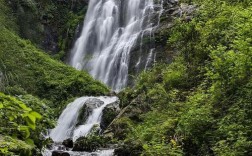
(90, 143)
(68, 143)
(87, 109)
(188, 18)
(109, 113)
(60, 153)
(93, 103)
(187, 9)
(112, 93)
(95, 130)
(120, 126)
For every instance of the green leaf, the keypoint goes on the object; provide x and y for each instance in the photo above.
(24, 107)
(36, 115)
(3, 150)
(30, 142)
(25, 130)
(30, 120)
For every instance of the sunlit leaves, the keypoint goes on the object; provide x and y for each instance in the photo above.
(20, 118)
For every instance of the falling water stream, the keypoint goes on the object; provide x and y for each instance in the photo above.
(67, 124)
(111, 29)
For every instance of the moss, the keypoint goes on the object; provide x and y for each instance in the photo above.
(38, 81)
(40, 75)
(83, 115)
(121, 127)
(132, 148)
(200, 104)
(108, 115)
(89, 143)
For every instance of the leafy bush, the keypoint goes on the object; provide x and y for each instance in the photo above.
(199, 104)
(16, 119)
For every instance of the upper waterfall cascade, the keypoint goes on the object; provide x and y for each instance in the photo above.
(111, 29)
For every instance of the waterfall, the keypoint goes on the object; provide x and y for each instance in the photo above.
(111, 30)
(67, 124)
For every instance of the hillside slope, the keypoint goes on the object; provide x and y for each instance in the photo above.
(201, 103)
(36, 88)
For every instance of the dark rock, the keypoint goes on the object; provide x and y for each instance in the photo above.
(132, 148)
(108, 116)
(109, 113)
(90, 143)
(95, 130)
(60, 153)
(120, 126)
(188, 18)
(83, 115)
(48, 142)
(87, 109)
(68, 143)
(112, 93)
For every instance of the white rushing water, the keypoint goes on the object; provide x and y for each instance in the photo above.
(109, 152)
(66, 125)
(111, 29)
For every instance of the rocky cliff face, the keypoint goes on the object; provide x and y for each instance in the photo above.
(49, 24)
(155, 48)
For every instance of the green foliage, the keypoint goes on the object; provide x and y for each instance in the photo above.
(49, 24)
(40, 75)
(40, 84)
(16, 119)
(40, 106)
(10, 146)
(200, 104)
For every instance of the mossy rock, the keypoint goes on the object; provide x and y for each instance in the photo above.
(90, 143)
(83, 115)
(119, 128)
(109, 113)
(129, 148)
(38, 74)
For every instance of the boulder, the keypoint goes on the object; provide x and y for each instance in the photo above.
(132, 148)
(89, 143)
(87, 109)
(95, 130)
(93, 103)
(68, 143)
(60, 153)
(187, 9)
(109, 113)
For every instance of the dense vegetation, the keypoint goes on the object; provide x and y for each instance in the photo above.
(201, 103)
(34, 88)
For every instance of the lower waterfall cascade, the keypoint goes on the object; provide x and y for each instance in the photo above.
(111, 30)
(67, 124)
